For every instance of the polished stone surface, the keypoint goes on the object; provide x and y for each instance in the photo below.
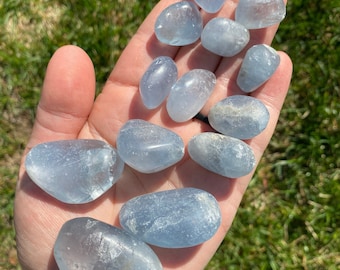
(148, 148)
(210, 6)
(74, 171)
(223, 155)
(189, 94)
(239, 116)
(173, 219)
(86, 243)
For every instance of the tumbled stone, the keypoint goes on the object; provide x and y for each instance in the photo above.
(86, 243)
(172, 219)
(221, 154)
(189, 94)
(157, 81)
(256, 14)
(224, 37)
(179, 24)
(74, 171)
(259, 64)
(148, 148)
(210, 6)
(239, 116)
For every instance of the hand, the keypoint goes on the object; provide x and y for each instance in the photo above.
(67, 110)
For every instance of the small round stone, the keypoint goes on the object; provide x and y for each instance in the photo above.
(210, 6)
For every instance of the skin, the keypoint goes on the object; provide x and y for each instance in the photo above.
(67, 110)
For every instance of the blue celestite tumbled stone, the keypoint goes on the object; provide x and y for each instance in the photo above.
(221, 154)
(259, 64)
(74, 171)
(148, 148)
(157, 81)
(86, 243)
(210, 6)
(256, 14)
(189, 94)
(172, 219)
(224, 37)
(239, 116)
(179, 24)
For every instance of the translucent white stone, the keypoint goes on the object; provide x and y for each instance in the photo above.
(148, 148)
(172, 219)
(210, 6)
(74, 171)
(157, 81)
(224, 37)
(239, 116)
(221, 154)
(179, 24)
(256, 14)
(259, 64)
(189, 94)
(86, 243)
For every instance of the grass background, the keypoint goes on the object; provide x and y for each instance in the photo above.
(290, 215)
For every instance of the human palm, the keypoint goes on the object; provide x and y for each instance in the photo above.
(67, 111)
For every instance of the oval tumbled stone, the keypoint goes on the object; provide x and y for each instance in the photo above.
(210, 6)
(221, 154)
(148, 148)
(239, 116)
(74, 171)
(173, 219)
(86, 243)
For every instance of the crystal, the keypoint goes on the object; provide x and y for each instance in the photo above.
(210, 6)
(189, 94)
(179, 24)
(157, 81)
(256, 14)
(172, 219)
(221, 154)
(259, 64)
(148, 148)
(224, 37)
(239, 116)
(74, 171)
(86, 243)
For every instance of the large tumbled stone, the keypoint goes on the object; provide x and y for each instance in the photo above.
(86, 243)
(210, 6)
(239, 116)
(224, 37)
(221, 154)
(148, 148)
(173, 219)
(74, 171)
(189, 94)
(179, 24)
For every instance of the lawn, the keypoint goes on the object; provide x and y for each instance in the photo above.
(289, 218)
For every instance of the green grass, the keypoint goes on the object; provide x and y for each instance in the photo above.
(289, 218)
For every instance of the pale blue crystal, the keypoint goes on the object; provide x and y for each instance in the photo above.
(239, 116)
(86, 243)
(221, 154)
(256, 14)
(259, 64)
(189, 94)
(179, 24)
(173, 219)
(224, 37)
(210, 6)
(148, 148)
(74, 171)
(157, 81)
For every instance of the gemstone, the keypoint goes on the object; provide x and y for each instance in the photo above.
(172, 219)
(157, 81)
(221, 154)
(239, 116)
(210, 6)
(86, 243)
(224, 37)
(74, 171)
(148, 148)
(256, 14)
(179, 24)
(259, 64)
(189, 94)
